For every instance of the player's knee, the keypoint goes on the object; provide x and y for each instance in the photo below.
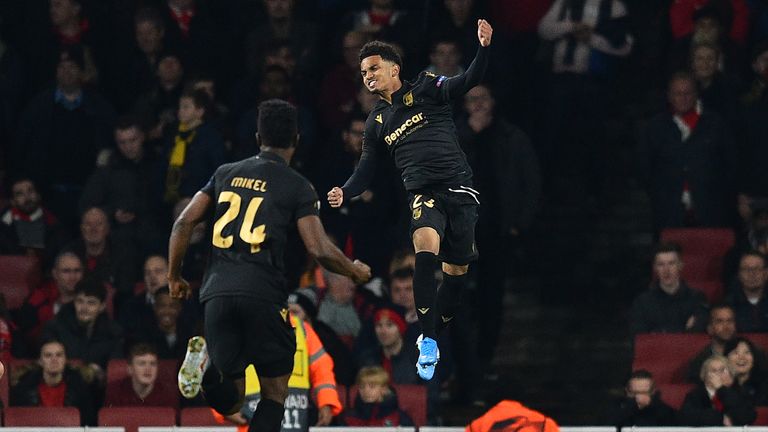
(426, 239)
(454, 269)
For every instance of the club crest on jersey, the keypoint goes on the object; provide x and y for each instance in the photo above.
(379, 119)
(408, 99)
(416, 213)
(440, 80)
(429, 74)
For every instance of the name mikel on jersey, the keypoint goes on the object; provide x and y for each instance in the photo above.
(249, 183)
(391, 138)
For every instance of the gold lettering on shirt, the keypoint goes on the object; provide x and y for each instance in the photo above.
(258, 185)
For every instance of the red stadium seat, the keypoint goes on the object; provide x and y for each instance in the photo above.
(713, 289)
(131, 418)
(412, 399)
(701, 241)
(762, 416)
(20, 274)
(198, 416)
(674, 394)
(667, 355)
(42, 416)
(702, 268)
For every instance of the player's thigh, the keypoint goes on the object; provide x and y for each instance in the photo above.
(428, 221)
(225, 335)
(272, 343)
(458, 248)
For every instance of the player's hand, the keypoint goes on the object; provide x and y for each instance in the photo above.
(336, 197)
(363, 273)
(324, 416)
(237, 418)
(179, 288)
(484, 32)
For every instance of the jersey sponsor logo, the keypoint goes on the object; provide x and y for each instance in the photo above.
(379, 119)
(416, 119)
(440, 80)
(408, 99)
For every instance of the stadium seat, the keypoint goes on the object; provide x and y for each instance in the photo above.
(667, 355)
(20, 274)
(412, 399)
(42, 416)
(674, 394)
(701, 241)
(197, 416)
(702, 268)
(132, 417)
(762, 416)
(713, 289)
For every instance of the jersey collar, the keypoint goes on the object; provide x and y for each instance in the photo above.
(272, 157)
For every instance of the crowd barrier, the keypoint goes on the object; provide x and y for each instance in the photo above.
(386, 429)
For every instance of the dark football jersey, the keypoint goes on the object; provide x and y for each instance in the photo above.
(257, 200)
(418, 131)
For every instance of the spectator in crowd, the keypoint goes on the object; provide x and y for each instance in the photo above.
(445, 59)
(166, 331)
(585, 45)
(194, 151)
(757, 92)
(401, 294)
(46, 301)
(339, 86)
(125, 188)
(190, 28)
(139, 308)
(507, 177)
(747, 294)
(687, 162)
(716, 401)
(85, 330)
(753, 134)
(26, 226)
(382, 20)
(397, 357)
(141, 387)
(50, 382)
(715, 91)
(105, 259)
(60, 134)
(670, 305)
(303, 305)
(376, 402)
(749, 371)
(157, 107)
(218, 117)
(721, 329)
(281, 24)
(138, 70)
(642, 405)
(722, 22)
(456, 20)
(337, 309)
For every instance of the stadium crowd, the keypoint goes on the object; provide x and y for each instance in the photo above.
(113, 113)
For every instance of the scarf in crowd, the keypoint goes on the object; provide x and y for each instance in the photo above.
(686, 123)
(183, 18)
(182, 140)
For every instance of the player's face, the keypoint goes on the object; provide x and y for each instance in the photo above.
(53, 358)
(155, 273)
(377, 73)
(143, 369)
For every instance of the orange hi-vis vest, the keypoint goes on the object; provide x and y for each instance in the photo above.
(312, 375)
(511, 416)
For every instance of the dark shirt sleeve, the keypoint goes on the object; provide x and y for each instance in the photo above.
(366, 167)
(210, 187)
(307, 203)
(455, 87)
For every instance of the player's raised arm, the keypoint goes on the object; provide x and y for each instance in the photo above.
(327, 254)
(363, 174)
(455, 87)
(194, 213)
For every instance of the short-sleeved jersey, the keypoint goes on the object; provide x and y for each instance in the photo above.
(418, 131)
(257, 199)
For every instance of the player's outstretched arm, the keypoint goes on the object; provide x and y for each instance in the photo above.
(193, 213)
(327, 254)
(457, 86)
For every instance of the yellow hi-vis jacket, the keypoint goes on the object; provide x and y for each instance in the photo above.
(312, 375)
